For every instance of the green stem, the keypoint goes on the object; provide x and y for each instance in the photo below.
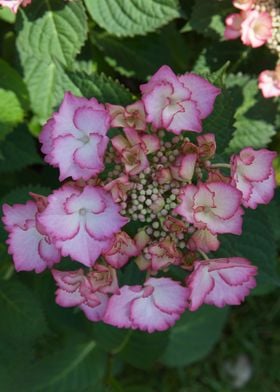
(226, 165)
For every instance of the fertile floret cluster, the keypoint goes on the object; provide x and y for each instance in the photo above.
(152, 175)
(258, 23)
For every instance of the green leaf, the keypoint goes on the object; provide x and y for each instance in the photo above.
(257, 244)
(103, 88)
(221, 120)
(255, 117)
(138, 348)
(47, 83)
(7, 15)
(22, 319)
(208, 17)
(140, 57)
(11, 112)
(126, 18)
(194, 336)
(10, 80)
(51, 29)
(75, 367)
(18, 150)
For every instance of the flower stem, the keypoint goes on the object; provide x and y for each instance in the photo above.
(204, 255)
(226, 165)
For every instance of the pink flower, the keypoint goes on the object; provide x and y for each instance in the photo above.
(256, 29)
(29, 244)
(233, 26)
(203, 240)
(82, 223)
(214, 206)
(253, 174)
(178, 103)
(74, 139)
(133, 149)
(13, 5)
(206, 145)
(121, 250)
(160, 255)
(220, 282)
(133, 116)
(269, 83)
(119, 188)
(154, 307)
(184, 166)
(175, 225)
(103, 279)
(75, 289)
(243, 5)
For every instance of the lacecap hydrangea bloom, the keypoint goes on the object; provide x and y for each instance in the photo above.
(149, 175)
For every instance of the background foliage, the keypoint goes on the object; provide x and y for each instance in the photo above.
(106, 48)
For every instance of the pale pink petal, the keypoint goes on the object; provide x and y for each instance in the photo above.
(118, 311)
(200, 283)
(227, 199)
(90, 120)
(203, 93)
(18, 214)
(185, 119)
(96, 313)
(233, 26)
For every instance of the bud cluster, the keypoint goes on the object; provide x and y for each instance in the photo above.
(153, 174)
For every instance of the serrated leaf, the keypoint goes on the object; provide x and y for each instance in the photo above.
(126, 18)
(11, 112)
(208, 17)
(140, 57)
(18, 151)
(75, 367)
(22, 319)
(194, 335)
(221, 120)
(101, 87)
(51, 29)
(257, 244)
(46, 92)
(10, 80)
(255, 116)
(138, 348)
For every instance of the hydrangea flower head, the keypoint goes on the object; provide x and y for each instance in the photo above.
(160, 205)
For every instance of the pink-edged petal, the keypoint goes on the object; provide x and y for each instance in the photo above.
(90, 154)
(82, 247)
(200, 283)
(203, 240)
(68, 280)
(118, 311)
(203, 93)
(165, 73)
(46, 138)
(227, 199)
(23, 246)
(152, 143)
(187, 119)
(18, 214)
(90, 120)
(169, 296)
(48, 252)
(185, 208)
(155, 102)
(68, 299)
(148, 317)
(90, 199)
(96, 313)
(262, 192)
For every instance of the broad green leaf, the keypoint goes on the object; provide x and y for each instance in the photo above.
(194, 336)
(18, 150)
(22, 319)
(208, 17)
(11, 112)
(257, 244)
(101, 87)
(138, 348)
(220, 122)
(255, 117)
(51, 29)
(75, 367)
(10, 80)
(140, 57)
(126, 18)
(47, 83)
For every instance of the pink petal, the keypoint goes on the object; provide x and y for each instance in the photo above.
(187, 119)
(203, 93)
(96, 313)
(90, 120)
(18, 214)
(200, 284)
